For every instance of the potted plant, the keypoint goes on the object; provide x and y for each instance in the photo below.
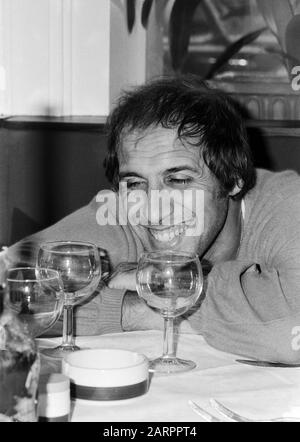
(279, 19)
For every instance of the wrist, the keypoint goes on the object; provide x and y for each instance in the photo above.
(130, 310)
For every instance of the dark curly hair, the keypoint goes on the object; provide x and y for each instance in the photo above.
(206, 117)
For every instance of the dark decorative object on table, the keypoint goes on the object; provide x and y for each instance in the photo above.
(19, 368)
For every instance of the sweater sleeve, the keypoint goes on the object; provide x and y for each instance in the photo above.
(252, 306)
(101, 313)
(246, 312)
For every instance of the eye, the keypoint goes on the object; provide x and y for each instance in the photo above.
(131, 185)
(179, 181)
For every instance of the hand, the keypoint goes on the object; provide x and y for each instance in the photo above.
(124, 277)
(137, 315)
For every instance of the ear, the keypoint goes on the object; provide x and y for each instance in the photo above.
(237, 188)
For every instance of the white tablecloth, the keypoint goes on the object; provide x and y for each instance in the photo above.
(257, 392)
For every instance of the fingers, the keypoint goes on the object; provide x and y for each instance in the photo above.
(123, 280)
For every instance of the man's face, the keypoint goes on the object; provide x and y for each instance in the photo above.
(156, 160)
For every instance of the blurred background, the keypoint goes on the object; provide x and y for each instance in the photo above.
(63, 64)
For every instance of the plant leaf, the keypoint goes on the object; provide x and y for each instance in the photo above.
(292, 36)
(284, 55)
(277, 14)
(180, 30)
(233, 49)
(130, 8)
(146, 9)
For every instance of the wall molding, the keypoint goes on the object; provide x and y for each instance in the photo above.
(75, 123)
(273, 128)
(276, 128)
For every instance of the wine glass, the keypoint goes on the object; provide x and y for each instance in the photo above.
(170, 283)
(78, 264)
(35, 295)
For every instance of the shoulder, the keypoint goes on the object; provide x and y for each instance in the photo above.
(272, 191)
(278, 184)
(272, 218)
(115, 240)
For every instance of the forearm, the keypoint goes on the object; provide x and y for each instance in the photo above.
(137, 315)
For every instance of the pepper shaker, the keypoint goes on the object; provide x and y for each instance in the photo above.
(54, 398)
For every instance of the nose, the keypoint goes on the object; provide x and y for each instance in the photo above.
(160, 207)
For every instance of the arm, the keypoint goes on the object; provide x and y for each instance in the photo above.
(252, 306)
(136, 314)
(102, 313)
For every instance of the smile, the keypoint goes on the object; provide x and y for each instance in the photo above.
(167, 235)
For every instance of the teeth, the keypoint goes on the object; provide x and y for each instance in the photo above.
(168, 234)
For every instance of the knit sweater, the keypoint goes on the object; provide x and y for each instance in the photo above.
(252, 304)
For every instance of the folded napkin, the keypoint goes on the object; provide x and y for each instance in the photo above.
(265, 404)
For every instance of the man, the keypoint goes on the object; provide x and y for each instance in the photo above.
(178, 135)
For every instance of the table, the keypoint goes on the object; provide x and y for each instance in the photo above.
(257, 392)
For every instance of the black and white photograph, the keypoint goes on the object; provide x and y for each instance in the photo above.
(149, 214)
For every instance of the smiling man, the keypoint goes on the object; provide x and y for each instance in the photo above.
(158, 160)
(177, 137)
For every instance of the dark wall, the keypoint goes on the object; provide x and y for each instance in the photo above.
(280, 153)
(49, 170)
(275, 148)
(46, 173)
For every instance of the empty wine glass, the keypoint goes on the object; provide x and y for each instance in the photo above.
(78, 264)
(35, 295)
(170, 283)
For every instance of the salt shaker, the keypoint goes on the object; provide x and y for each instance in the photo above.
(54, 398)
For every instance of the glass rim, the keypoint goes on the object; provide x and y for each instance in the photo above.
(46, 246)
(191, 256)
(53, 271)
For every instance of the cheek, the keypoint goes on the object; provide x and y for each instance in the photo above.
(215, 212)
(214, 205)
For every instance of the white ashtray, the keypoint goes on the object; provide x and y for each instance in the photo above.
(106, 374)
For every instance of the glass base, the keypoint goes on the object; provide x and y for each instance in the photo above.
(166, 366)
(59, 352)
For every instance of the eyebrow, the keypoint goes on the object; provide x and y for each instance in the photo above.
(181, 168)
(123, 175)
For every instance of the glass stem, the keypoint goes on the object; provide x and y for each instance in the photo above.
(169, 341)
(68, 339)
